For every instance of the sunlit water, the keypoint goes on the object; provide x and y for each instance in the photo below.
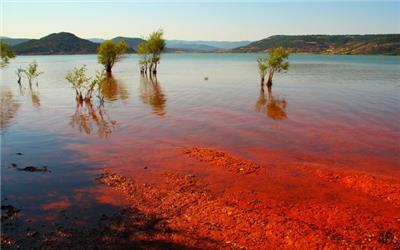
(339, 110)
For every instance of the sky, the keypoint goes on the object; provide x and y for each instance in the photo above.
(201, 20)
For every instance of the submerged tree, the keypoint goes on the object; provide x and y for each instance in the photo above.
(277, 61)
(143, 51)
(84, 86)
(19, 73)
(32, 72)
(6, 54)
(262, 68)
(110, 52)
(155, 46)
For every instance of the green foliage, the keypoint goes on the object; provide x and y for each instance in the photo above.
(110, 52)
(275, 62)
(156, 42)
(32, 71)
(143, 48)
(155, 46)
(262, 67)
(6, 54)
(278, 59)
(83, 85)
(143, 51)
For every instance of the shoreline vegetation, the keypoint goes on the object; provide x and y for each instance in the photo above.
(64, 43)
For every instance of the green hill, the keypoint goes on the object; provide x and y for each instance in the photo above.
(329, 44)
(56, 43)
(13, 41)
(132, 42)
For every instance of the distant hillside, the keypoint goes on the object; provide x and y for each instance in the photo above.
(133, 42)
(96, 40)
(329, 44)
(191, 47)
(56, 43)
(13, 41)
(204, 46)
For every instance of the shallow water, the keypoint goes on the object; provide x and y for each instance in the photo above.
(336, 110)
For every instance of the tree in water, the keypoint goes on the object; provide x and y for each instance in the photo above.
(89, 115)
(6, 54)
(262, 68)
(19, 72)
(143, 51)
(32, 72)
(83, 85)
(156, 45)
(277, 61)
(110, 52)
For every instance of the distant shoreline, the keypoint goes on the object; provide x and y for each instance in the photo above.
(201, 53)
(64, 43)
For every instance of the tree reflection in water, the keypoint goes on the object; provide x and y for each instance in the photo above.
(111, 89)
(89, 117)
(9, 107)
(35, 98)
(32, 94)
(152, 94)
(273, 107)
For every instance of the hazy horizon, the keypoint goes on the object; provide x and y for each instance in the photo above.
(205, 21)
(187, 40)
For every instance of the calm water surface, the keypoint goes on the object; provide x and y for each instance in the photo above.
(342, 111)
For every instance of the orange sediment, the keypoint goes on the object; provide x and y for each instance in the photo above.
(221, 159)
(195, 216)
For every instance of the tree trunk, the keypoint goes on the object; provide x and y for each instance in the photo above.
(269, 82)
(108, 69)
(155, 69)
(262, 81)
(269, 91)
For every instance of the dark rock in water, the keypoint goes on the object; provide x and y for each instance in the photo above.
(32, 233)
(34, 169)
(19, 153)
(13, 165)
(8, 211)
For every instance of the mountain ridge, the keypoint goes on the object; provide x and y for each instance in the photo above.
(68, 43)
(385, 44)
(56, 44)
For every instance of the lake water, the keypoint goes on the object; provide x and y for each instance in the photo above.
(342, 111)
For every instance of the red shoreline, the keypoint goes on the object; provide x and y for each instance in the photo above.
(367, 216)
